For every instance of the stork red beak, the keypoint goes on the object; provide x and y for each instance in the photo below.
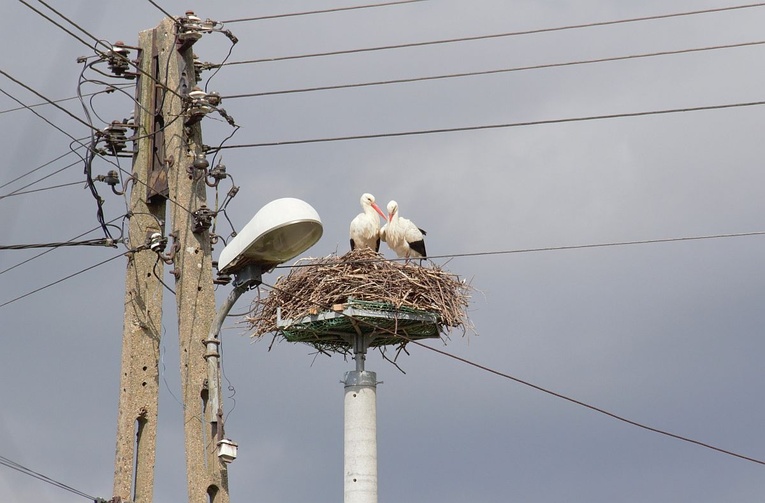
(378, 210)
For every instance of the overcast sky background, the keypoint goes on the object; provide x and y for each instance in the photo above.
(665, 334)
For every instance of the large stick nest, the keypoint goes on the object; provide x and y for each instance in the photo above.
(317, 294)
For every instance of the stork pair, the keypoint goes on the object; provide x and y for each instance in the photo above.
(402, 236)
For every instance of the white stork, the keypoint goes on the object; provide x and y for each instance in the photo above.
(365, 227)
(402, 236)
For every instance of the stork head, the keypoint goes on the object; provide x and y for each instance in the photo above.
(368, 200)
(392, 209)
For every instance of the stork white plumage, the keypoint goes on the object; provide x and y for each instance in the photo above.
(402, 236)
(365, 227)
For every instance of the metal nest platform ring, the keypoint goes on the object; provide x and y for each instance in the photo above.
(381, 323)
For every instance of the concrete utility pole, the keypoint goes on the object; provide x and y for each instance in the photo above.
(142, 328)
(170, 142)
(207, 476)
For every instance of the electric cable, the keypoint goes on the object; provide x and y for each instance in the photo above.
(588, 406)
(30, 259)
(154, 271)
(599, 410)
(36, 290)
(57, 128)
(495, 126)
(61, 244)
(163, 11)
(493, 72)
(557, 248)
(39, 476)
(20, 189)
(44, 189)
(495, 36)
(37, 168)
(60, 100)
(89, 157)
(96, 39)
(8, 76)
(325, 11)
(55, 23)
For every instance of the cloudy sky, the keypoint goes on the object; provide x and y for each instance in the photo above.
(665, 334)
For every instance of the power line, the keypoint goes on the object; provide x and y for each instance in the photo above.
(19, 191)
(55, 23)
(586, 405)
(602, 245)
(8, 76)
(39, 476)
(52, 249)
(96, 39)
(493, 126)
(61, 244)
(61, 100)
(494, 36)
(496, 71)
(406, 339)
(325, 11)
(64, 279)
(43, 118)
(558, 248)
(161, 9)
(38, 168)
(52, 187)
(438, 77)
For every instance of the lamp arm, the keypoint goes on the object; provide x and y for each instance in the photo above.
(212, 355)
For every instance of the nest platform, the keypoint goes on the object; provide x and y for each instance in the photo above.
(380, 324)
(328, 302)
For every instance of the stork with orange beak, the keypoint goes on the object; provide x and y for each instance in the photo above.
(402, 235)
(365, 227)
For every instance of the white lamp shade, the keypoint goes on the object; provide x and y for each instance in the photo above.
(281, 230)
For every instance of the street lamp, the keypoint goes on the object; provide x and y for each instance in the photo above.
(280, 231)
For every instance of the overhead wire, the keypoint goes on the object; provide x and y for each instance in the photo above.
(65, 278)
(97, 41)
(60, 244)
(55, 23)
(60, 100)
(44, 189)
(37, 168)
(516, 251)
(494, 36)
(49, 101)
(588, 406)
(20, 189)
(30, 259)
(324, 11)
(494, 71)
(405, 339)
(493, 126)
(599, 245)
(163, 11)
(80, 28)
(48, 480)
